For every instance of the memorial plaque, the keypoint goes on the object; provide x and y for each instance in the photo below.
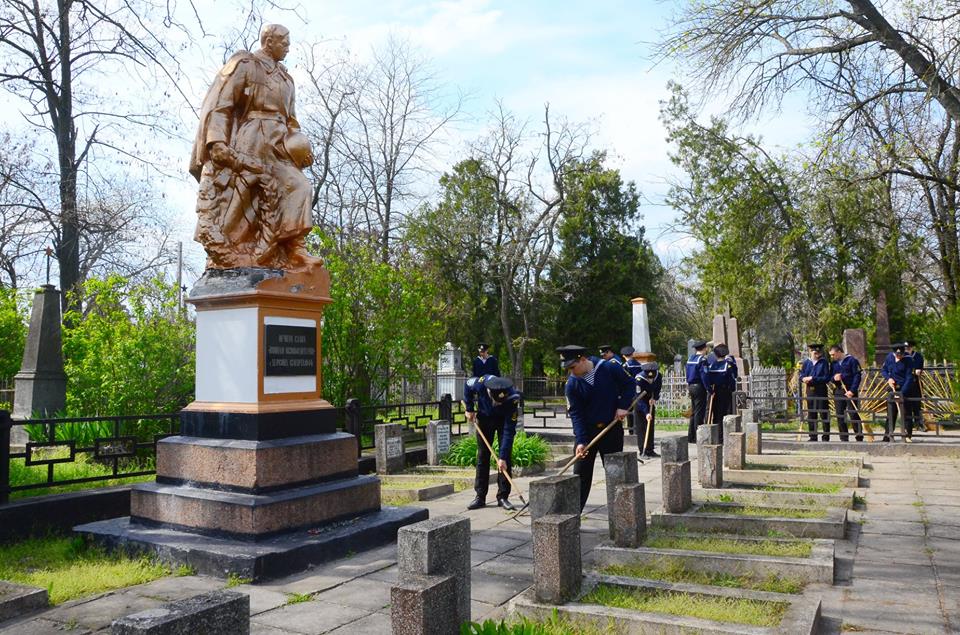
(394, 447)
(443, 438)
(290, 350)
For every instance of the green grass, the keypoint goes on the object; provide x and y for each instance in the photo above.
(818, 469)
(669, 570)
(736, 610)
(793, 549)
(297, 598)
(409, 483)
(21, 474)
(528, 449)
(69, 568)
(553, 625)
(789, 487)
(235, 580)
(754, 510)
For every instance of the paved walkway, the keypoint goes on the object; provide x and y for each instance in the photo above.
(898, 571)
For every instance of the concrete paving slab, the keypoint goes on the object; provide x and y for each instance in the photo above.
(42, 626)
(495, 589)
(309, 618)
(262, 600)
(362, 593)
(373, 624)
(98, 613)
(177, 588)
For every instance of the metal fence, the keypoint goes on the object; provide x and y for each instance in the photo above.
(106, 448)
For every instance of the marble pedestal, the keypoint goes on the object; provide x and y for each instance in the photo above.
(259, 458)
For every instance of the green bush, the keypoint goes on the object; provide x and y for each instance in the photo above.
(13, 331)
(527, 450)
(130, 352)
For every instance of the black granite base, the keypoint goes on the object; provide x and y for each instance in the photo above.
(274, 558)
(257, 427)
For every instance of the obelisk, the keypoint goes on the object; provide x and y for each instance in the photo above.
(640, 339)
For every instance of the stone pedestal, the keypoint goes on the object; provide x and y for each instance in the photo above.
(438, 547)
(555, 495)
(677, 487)
(557, 563)
(731, 423)
(215, 613)
(450, 373)
(754, 439)
(424, 605)
(259, 458)
(708, 434)
(438, 441)
(40, 388)
(621, 469)
(674, 450)
(628, 516)
(388, 441)
(710, 462)
(734, 450)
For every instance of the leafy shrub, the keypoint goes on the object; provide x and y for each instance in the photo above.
(13, 331)
(527, 450)
(554, 625)
(131, 352)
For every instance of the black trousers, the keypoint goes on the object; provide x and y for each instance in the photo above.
(817, 408)
(612, 442)
(909, 403)
(698, 409)
(722, 406)
(641, 420)
(912, 408)
(846, 408)
(481, 482)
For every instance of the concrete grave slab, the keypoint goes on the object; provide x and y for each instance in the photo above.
(773, 477)
(17, 600)
(833, 525)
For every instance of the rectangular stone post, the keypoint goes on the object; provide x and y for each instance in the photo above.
(216, 613)
(439, 547)
(391, 455)
(675, 472)
(628, 517)
(754, 439)
(709, 456)
(748, 415)
(438, 441)
(424, 605)
(620, 469)
(731, 423)
(555, 495)
(557, 566)
(734, 450)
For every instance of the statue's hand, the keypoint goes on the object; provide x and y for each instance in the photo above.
(221, 154)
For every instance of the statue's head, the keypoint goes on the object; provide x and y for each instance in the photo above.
(275, 41)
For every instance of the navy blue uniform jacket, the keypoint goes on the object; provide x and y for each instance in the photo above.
(720, 373)
(594, 398)
(819, 370)
(652, 388)
(489, 366)
(478, 400)
(632, 367)
(849, 369)
(900, 372)
(694, 366)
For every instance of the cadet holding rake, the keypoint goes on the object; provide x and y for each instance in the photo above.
(846, 380)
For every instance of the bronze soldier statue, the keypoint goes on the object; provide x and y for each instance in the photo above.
(254, 205)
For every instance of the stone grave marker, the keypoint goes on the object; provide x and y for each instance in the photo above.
(438, 441)
(388, 439)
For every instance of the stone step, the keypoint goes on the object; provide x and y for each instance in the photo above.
(818, 567)
(832, 525)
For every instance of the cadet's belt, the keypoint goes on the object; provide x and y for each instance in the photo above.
(266, 114)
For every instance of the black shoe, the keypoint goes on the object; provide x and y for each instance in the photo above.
(507, 505)
(886, 439)
(651, 454)
(825, 438)
(812, 439)
(477, 503)
(859, 438)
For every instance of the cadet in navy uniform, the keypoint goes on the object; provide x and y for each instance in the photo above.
(719, 377)
(898, 371)
(485, 363)
(606, 352)
(914, 407)
(649, 382)
(632, 366)
(492, 403)
(815, 375)
(596, 395)
(845, 370)
(696, 388)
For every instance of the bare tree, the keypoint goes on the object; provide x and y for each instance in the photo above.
(376, 126)
(526, 172)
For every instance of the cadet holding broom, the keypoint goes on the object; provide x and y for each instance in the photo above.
(596, 396)
(846, 380)
(815, 375)
(696, 388)
(649, 384)
(491, 403)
